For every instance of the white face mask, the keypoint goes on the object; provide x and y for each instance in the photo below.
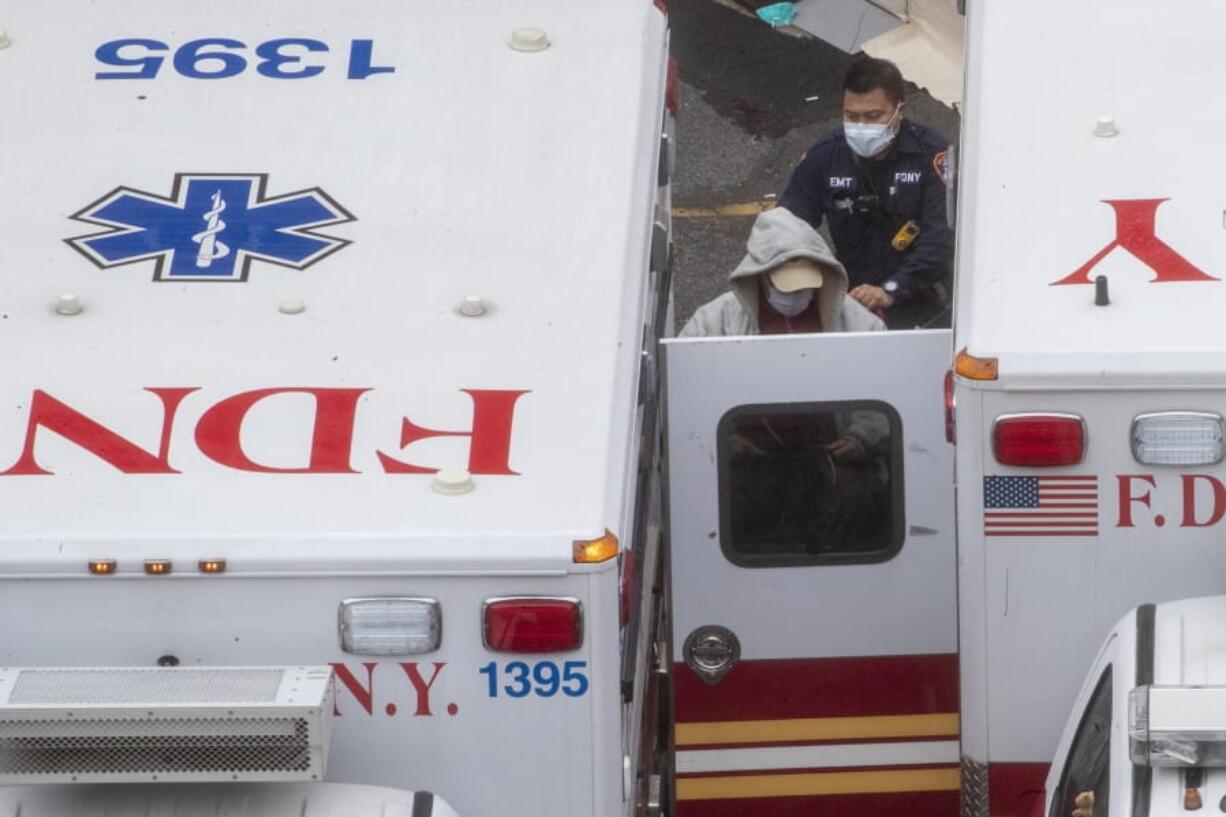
(868, 140)
(788, 304)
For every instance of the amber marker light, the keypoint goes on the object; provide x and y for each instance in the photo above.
(212, 565)
(976, 368)
(157, 567)
(592, 551)
(103, 567)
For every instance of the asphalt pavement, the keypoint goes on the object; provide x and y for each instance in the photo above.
(752, 101)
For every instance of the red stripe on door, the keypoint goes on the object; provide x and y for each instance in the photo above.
(821, 688)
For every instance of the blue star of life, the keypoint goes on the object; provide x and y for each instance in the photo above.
(210, 228)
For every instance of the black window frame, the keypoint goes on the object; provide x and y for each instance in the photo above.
(897, 484)
(1059, 808)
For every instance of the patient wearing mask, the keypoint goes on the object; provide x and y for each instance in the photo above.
(789, 281)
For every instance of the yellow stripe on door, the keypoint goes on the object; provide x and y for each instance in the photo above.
(804, 729)
(809, 785)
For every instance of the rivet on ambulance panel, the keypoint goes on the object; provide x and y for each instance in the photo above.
(292, 307)
(529, 39)
(453, 481)
(5, 42)
(68, 305)
(472, 306)
(1105, 127)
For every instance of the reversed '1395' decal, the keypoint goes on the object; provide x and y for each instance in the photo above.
(225, 57)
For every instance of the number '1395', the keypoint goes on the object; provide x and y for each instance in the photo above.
(545, 679)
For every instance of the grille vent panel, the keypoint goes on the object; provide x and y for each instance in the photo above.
(145, 686)
(185, 729)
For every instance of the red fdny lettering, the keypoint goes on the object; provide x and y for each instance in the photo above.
(489, 451)
(218, 432)
(49, 413)
(421, 686)
(1127, 497)
(364, 695)
(1135, 232)
(1189, 501)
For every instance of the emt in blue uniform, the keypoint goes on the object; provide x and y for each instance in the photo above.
(879, 182)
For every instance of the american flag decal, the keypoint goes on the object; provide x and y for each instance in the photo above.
(1040, 506)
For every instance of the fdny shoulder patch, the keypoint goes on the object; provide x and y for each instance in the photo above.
(940, 164)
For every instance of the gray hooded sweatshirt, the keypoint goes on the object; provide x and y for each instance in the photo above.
(778, 236)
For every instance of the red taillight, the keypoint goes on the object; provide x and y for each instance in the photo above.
(1039, 440)
(533, 625)
(672, 88)
(951, 433)
(660, 5)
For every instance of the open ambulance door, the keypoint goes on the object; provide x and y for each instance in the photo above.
(812, 541)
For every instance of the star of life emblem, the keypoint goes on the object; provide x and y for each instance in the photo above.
(210, 228)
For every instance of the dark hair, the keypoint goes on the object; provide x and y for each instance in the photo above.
(869, 74)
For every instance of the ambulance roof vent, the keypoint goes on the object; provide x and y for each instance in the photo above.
(472, 306)
(118, 725)
(68, 304)
(453, 481)
(529, 39)
(1105, 127)
(5, 42)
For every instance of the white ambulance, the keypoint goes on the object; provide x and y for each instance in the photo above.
(837, 648)
(1091, 370)
(328, 462)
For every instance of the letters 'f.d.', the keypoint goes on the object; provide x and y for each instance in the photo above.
(210, 228)
(1135, 232)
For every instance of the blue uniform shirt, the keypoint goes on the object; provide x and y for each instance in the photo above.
(866, 202)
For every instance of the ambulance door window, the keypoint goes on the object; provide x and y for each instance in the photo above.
(810, 483)
(1084, 780)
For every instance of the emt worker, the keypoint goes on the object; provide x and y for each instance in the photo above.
(879, 182)
(789, 281)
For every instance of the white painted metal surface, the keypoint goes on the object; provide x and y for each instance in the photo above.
(902, 606)
(470, 168)
(1046, 207)
(1034, 181)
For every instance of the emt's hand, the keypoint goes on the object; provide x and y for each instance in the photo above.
(871, 297)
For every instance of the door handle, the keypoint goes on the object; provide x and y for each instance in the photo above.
(711, 652)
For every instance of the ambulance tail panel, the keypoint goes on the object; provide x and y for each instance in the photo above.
(501, 678)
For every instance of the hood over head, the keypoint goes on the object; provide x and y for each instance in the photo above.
(777, 237)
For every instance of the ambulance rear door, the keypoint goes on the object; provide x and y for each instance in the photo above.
(813, 567)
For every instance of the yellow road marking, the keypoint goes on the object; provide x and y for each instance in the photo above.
(796, 729)
(749, 208)
(801, 785)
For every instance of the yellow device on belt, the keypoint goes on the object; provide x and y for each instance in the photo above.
(905, 236)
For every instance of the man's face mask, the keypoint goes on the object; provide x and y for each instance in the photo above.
(867, 140)
(788, 304)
